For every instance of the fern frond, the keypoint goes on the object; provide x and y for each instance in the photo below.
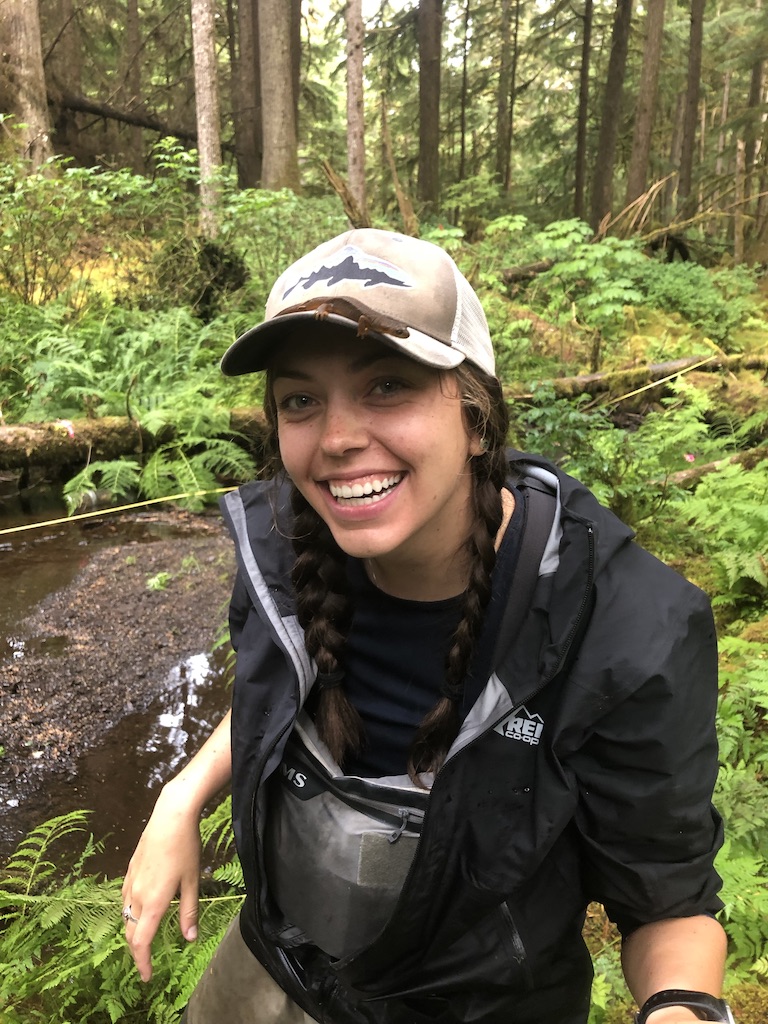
(230, 874)
(27, 867)
(120, 477)
(223, 457)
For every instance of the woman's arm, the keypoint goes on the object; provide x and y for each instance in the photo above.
(167, 858)
(679, 953)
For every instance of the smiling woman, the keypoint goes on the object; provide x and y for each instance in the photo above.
(445, 740)
(358, 414)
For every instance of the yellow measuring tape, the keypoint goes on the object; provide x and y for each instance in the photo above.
(116, 508)
(661, 380)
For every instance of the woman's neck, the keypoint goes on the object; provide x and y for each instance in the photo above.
(434, 578)
(419, 581)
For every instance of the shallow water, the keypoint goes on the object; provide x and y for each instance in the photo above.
(118, 779)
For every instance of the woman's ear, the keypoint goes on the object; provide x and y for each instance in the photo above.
(477, 445)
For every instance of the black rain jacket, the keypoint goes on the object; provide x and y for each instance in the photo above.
(615, 668)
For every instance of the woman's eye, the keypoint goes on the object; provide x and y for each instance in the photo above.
(388, 386)
(294, 403)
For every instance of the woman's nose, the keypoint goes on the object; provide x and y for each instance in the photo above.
(344, 429)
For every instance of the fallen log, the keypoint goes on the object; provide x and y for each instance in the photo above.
(84, 105)
(526, 271)
(71, 442)
(75, 443)
(616, 381)
(748, 459)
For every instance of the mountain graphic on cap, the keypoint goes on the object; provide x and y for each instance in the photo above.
(352, 268)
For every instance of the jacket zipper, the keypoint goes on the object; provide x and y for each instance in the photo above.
(406, 815)
(584, 599)
(520, 953)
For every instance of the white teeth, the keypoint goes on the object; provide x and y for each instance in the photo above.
(367, 493)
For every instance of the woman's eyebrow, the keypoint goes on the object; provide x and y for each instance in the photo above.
(368, 359)
(287, 371)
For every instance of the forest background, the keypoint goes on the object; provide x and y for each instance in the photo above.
(600, 173)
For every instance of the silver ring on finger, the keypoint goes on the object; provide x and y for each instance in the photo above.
(128, 915)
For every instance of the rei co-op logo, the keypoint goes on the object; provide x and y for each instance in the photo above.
(351, 264)
(522, 725)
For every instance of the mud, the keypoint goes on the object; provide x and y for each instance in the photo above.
(101, 647)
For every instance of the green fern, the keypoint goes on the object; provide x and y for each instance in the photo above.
(61, 935)
(28, 867)
(745, 894)
(119, 478)
(736, 544)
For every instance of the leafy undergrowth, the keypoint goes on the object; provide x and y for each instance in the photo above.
(61, 934)
(685, 468)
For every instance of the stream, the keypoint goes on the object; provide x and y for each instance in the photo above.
(119, 777)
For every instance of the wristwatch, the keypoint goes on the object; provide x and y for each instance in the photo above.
(705, 1006)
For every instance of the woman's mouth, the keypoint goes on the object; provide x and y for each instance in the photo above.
(364, 493)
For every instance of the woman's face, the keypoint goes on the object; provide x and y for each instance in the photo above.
(378, 445)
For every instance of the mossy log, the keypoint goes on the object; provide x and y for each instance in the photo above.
(525, 272)
(74, 443)
(71, 442)
(618, 382)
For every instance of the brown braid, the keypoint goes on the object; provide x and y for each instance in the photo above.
(324, 610)
(487, 416)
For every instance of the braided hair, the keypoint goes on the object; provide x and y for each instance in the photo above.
(324, 608)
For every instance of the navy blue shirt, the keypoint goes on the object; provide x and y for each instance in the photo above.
(394, 658)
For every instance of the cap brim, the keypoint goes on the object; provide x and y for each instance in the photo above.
(253, 350)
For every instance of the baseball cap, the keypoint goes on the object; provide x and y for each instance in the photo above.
(403, 291)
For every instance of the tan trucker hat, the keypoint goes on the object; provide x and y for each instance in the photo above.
(403, 291)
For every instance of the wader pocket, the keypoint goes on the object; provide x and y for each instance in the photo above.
(337, 848)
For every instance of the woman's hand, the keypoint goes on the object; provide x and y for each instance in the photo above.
(167, 859)
(166, 862)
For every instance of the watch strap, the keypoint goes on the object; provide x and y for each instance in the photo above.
(705, 1006)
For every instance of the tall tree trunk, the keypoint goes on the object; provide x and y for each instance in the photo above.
(719, 164)
(207, 112)
(693, 85)
(503, 124)
(430, 32)
(513, 92)
(62, 64)
(579, 185)
(602, 180)
(464, 101)
(761, 215)
(296, 56)
(752, 134)
(248, 140)
(410, 220)
(637, 174)
(133, 81)
(355, 111)
(280, 165)
(713, 225)
(702, 144)
(738, 213)
(666, 212)
(23, 84)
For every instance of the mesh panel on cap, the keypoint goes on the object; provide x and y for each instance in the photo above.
(470, 328)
